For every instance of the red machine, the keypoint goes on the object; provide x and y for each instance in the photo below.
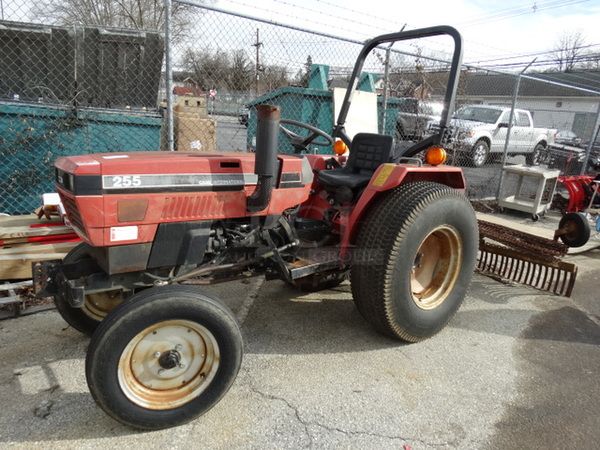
(574, 227)
(163, 351)
(580, 189)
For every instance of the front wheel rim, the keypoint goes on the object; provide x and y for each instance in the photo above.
(168, 364)
(436, 267)
(479, 155)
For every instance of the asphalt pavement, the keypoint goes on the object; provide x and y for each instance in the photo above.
(515, 369)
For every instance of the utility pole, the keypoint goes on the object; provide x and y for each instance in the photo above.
(258, 44)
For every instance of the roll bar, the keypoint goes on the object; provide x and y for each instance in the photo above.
(449, 98)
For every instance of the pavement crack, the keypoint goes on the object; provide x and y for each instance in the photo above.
(292, 407)
(306, 424)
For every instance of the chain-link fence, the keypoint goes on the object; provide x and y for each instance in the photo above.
(66, 90)
(85, 88)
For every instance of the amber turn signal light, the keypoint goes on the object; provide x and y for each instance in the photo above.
(436, 156)
(339, 147)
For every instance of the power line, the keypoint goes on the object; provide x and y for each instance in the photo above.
(280, 13)
(509, 61)
(360, 13)
(509, 13)
(500, 14)
(533, 54)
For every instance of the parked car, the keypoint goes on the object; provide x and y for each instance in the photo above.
(480, 131)
(567, 158)
(595, 145)
(243, 115)
(567, 137)
(415, 118)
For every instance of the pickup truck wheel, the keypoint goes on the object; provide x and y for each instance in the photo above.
(534, 158)
(164, 357)
(96, 306)
(479, 154)
(414, 258)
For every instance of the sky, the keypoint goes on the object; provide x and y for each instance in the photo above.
(504, 35)
(493, 32)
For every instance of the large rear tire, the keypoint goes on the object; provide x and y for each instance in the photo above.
(164, 357)
(415, 255)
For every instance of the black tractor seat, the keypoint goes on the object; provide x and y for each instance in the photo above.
(367, 152)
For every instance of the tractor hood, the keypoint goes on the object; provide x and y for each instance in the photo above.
(138, 172)
(105, 192)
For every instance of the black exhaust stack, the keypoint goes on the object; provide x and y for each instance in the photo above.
(266, 162)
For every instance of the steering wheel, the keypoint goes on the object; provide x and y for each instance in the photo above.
(301, 143)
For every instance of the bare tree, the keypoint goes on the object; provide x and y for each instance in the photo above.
(303, 75)
(233, 71)
(569, 50)
(274, 77)
(241, 72)
(592, 61)
(208, 68)
(136, 14)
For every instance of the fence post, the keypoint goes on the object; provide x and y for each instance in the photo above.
(386, 76)
(169, 77)
(593, 138)
(510, 124)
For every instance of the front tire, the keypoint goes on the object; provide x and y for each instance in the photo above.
(164, 357)
(416, 252)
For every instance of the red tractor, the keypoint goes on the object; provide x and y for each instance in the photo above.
(157, 224)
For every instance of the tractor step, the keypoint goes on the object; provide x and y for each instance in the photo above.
(313, 260)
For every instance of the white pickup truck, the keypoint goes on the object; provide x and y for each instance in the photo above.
(479, 132)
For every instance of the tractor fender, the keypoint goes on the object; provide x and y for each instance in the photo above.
(388, 177)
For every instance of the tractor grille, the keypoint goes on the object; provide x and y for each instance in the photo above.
(73, 213)
(197, 207)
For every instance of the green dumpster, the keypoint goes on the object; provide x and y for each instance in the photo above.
(314, 106)
(33, 136)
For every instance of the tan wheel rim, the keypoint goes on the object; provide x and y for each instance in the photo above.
(168, 364)
(98, 305)
(436, 267)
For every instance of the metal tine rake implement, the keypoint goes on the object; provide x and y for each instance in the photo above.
(525, 258)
